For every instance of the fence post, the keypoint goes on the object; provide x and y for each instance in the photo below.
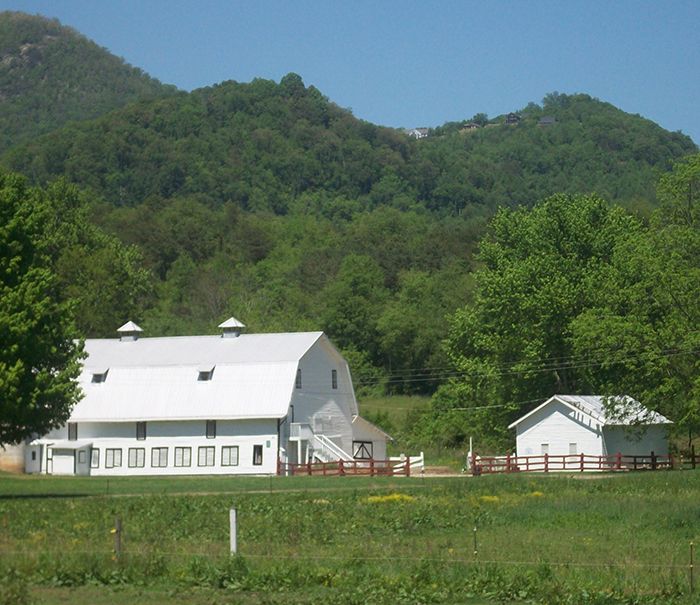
(279, 466)
(341, 469)
(581, 461)
(691, 569)
(371, 467)
(234, 530)
(508, 463)
(117, 537)
(653, 461)
(408, 466)
(692, 456)
(546, 463)
(618, 465)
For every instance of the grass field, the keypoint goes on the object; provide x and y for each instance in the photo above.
(621, 538)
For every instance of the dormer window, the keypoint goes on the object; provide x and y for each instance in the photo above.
(99, 376)
(206, 372)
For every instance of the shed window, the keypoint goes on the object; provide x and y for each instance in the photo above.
(334, 379)
(183, 456)
(544, 448)
(229, 455)
(95, 458)
(159, 457)
(206, 456)
(257, 455)
(573, 449)
(298, 382)
(113, 458)
(72, 431)
(211, 429)
(140, 431)
(137, 457)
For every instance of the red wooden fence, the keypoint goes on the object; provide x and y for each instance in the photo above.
(346, 467)
(581, 462)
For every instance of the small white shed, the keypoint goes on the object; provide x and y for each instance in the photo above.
(579, 424)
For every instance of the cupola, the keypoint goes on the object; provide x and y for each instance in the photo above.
(129, 332)
(232, 328)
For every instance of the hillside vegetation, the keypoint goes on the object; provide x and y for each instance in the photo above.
(51, 75)
(269, 202)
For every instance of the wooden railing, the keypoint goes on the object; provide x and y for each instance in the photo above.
(345, 467)
(581, 463)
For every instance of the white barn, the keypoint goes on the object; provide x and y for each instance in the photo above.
(578, 424)
(228, 404)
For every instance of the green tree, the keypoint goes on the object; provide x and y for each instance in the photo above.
(39, 358)
(643, 329)
(513, 346)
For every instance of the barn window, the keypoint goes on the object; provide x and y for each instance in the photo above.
(229, 455)
(334, 379)
(183, 456)
(72, 431)
(99, 377)
(544, 448)
(573, 449)
(206, 372)
(113, 458)
(33, 456)
(140, 431)
(137, 457)
(211, 429)
(95, 458)
(206, 456)
(257, 455)
(362, 450)
(298, 382)
(159, 457)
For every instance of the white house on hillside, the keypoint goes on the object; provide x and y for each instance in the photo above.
(579, 424)
(227, 404)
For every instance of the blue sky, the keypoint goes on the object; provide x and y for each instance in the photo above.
(415, 63)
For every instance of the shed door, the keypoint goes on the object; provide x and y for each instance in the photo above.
(64, 462)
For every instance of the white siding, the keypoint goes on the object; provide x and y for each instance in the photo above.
(558, 426)
(628, 442)
(327, 410)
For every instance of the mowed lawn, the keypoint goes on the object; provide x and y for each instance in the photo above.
(593, 538)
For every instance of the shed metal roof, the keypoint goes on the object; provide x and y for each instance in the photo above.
(631, 411)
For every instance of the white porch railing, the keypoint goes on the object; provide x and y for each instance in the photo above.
(325, 448)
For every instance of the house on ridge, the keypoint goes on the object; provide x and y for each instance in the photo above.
(228, 404)
(580, 424)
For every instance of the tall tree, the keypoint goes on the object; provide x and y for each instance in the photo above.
(39, 358)
(514, 344)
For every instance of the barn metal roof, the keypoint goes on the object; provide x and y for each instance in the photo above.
(157, 378)
(631, 411)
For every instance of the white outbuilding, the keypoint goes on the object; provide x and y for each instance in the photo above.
(581, 424)
(228, 404)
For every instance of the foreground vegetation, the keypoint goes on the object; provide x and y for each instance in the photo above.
(539, 539)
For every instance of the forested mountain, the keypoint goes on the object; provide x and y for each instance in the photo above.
(284, 148)
(51, 75)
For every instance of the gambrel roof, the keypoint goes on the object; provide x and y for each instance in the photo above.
(632, 412)
(251, 376)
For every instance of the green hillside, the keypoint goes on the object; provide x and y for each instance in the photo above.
(285, 148)
(51, 75)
